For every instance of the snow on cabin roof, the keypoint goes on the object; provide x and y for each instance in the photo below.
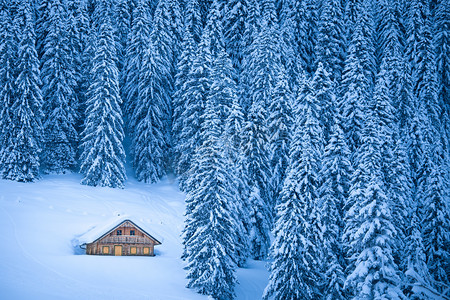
(97, 232)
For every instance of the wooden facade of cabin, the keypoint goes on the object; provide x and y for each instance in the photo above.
(125, 239)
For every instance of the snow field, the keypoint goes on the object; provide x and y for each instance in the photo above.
(40, 222)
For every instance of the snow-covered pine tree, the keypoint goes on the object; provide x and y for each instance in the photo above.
(394, 163)
(77, 31)
(279, 121)
(415, 258)
(324, 90)
(358, 75)
(302, 16)
(252, 26)
(330, 46)
(288, 40)
(124, 11)
(370, 234)
(8, 51)
(297, 231)
(256, 167)
(333, 190)
(422, 60)
(333, 185)
(233, 131)
(400, 189)
(102, 158)
(261, 70)
(196, 89)
(148, 141)
(181, 99)
(390, 51)
(20, 154)
(425, 79)
(223, 94)
(41, 28)
(434, 192)
(85, 51)
(261, 67)
(426, 142)
(139, 39)
(167, 37)
(192, 21)
(235, 22)
(60, 102)
(222, 71)
(441, 41)
(209, 233)
(418, 121)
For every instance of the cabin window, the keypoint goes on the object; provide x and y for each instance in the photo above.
(146, 250)
(105, 250)
(133, 250)
(132, 232)
(119, 232)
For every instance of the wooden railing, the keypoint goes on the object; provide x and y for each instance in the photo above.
(126, 239)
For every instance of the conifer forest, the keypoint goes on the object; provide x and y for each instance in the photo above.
(313, 134)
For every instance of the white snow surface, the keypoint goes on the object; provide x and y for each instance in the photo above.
(42, 224)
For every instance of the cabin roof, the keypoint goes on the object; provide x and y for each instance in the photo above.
(97, 232)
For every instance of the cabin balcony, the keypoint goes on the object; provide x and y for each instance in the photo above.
(127, 239)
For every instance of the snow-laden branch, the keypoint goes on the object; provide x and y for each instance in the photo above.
(423, 288)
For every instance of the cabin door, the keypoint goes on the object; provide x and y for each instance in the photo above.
(117, 250)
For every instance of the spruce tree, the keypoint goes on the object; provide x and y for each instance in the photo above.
(415, 258)
(60, 101)
(299, 29)
(441, 41)
(261, 71)
(297, 231)
(85, 53)
(256, 168)
(167, 37)
(20, 154)
(326, 96)
(426, 142)
(204, 6)
(370, 234)
(192, 21)
(103, 156)
(148, 141)
(139, 39)
(330, 46)
(233, 131)
(77, 35)
(280, 126)
(235, 23)
(358, 76)
(223, 94)
(43, 14)
(333, 190)
(288, 40)
(433, 189)
(181, 98)
(209, 232)
(196, 86)
(8, 51)
(250, 34)
(123, 11)
(390, 50)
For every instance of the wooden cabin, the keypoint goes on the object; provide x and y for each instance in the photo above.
(126, 238)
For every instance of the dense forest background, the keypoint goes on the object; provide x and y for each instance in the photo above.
(312, 132)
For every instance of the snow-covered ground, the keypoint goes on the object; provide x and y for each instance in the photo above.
(40, 222)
